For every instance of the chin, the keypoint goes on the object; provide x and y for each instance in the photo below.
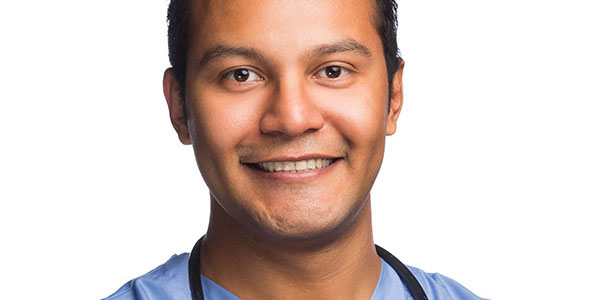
(308, 229)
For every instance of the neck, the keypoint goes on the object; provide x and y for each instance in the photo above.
(345, 266)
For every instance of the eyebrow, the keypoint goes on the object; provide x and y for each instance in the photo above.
(347, 45)
(222, 51)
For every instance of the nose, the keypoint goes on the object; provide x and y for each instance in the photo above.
(291, 112)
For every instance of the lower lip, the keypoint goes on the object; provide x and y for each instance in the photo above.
(296, 176)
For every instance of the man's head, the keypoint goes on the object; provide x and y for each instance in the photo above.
(179, 15)
(287, 110)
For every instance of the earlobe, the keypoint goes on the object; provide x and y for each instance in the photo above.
(396, 100)
(172, 92)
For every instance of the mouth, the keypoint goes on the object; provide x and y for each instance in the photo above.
(295, 166)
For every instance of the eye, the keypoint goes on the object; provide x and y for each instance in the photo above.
(242, 75)
(332, 72)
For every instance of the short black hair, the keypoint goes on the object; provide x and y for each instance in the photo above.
(178, 18)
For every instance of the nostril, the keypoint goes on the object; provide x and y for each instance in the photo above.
(311, 130)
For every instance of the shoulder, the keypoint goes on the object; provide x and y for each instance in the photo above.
(167, 281)
(438, 286)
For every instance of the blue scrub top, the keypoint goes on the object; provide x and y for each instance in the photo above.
(170, 282)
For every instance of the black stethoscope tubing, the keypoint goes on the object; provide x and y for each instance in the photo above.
(406, 276)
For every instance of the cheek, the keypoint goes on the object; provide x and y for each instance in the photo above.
(222, 122)
(217, 125)
(358, 114)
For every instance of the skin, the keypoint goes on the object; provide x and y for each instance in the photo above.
(298, 235)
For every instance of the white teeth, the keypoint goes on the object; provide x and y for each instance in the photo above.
(295, 166)
(289, 166)
(301, 165)
(311, 164)
(278, 166)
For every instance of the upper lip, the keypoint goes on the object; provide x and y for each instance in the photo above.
(291, 158)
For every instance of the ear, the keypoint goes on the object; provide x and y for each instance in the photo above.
(175, 102)
(396, 100)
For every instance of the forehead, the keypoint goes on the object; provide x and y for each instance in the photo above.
(281, 26)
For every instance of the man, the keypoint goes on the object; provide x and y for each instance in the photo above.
(287, 105)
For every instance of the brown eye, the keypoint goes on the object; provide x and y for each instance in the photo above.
(333, 71)
(242, 75)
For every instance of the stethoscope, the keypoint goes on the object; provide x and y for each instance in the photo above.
(406, 276)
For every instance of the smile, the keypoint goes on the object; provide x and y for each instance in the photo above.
(294, 166)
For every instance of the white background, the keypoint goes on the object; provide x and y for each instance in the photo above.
(492, 178)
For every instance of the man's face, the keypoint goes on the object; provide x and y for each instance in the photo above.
(287, 110)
